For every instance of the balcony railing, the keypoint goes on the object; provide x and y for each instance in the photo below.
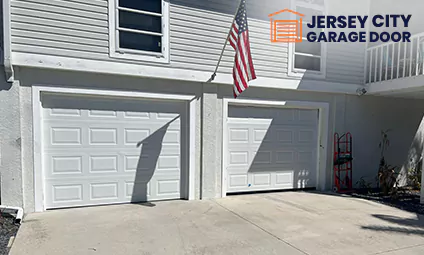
(391, 61)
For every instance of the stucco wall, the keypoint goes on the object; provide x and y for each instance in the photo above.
(365, 117)
(10, 143)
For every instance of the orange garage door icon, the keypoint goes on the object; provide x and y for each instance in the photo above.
(286, 30)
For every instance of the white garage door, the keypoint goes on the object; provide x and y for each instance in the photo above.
(271, 148)
(103, 151)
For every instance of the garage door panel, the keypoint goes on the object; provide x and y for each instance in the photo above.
(271, 148)
(97, 150)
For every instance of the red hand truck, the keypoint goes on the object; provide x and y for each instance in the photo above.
(343, 163)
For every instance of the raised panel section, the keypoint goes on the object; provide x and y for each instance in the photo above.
(238, 180)
(262, 179)
(172, 137)
(285, 178)
(99, 113)
(66, 136)
(137, 115)
(168, 187)
(103, 164)
(104, 191)
(137, 191)
(168, 162)
(285, 136)
(135, 136)
(66, 165)
(263, 157)
(261, 135)
(305, 156)
(286, 115)
(167, 116)
(103, 136)
(67, 193)
(65, 112)
(306, 136)
(239, 135)
(284, 157)
(239, 158)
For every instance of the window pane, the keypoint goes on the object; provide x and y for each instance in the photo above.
(134, 41)
(313, 48)
(143, 5)
(308, 63)
(140, 21)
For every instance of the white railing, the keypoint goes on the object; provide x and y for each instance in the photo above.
(391, 61)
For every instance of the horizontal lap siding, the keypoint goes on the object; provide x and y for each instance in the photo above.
(197, 38)
(345, 62)
(80, 29)
(74, 28)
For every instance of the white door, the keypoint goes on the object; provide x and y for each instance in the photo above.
(103, 151)
(271, 148)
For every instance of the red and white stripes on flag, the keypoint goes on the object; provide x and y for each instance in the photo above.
(243, 70)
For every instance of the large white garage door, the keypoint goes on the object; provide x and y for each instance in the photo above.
(271, 148)
(102, 151)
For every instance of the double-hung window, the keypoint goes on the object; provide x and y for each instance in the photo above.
(308, 57)
(139, 30)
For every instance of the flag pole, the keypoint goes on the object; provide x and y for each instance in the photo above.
(225, 45)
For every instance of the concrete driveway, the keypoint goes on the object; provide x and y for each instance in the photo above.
(288, 223)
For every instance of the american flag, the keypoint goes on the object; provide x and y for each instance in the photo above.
(243, 70)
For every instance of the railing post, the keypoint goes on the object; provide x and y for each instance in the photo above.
(398, 61)
(393, 57)
(381, 63)
(376, 63)
(370, 69)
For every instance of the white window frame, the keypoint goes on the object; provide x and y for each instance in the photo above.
(298, 72)
(129, 54)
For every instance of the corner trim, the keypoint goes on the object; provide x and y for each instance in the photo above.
(39, 188)
(323, 125)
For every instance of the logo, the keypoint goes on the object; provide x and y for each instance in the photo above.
(286, 30)
(329, 28)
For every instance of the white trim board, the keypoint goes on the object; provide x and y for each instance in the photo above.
(166, 72)
(323, 125)
(39, 187)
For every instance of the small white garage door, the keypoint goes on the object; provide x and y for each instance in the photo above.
(271, 148)
(103, 151)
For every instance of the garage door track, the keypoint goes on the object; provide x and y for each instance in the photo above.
(289, 223)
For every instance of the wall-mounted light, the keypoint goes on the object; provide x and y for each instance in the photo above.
(361, 91)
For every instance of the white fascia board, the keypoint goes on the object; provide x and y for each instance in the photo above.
(159, 72)
(397, 85)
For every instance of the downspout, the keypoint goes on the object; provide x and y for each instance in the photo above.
(7, 43)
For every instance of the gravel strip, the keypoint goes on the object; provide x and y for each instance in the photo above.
(407, 201)
(7, 229)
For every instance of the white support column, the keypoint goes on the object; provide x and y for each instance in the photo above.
(210, 141)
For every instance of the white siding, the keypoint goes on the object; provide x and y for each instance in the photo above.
(79, 28)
